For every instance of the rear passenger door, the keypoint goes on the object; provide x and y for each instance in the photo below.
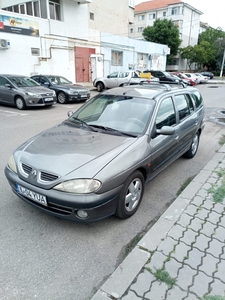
(164, 148)
(187, 120)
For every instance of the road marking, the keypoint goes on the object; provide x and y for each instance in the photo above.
(12, 113)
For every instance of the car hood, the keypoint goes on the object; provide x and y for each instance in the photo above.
(64, 149)
(37, 89)
(69, 86)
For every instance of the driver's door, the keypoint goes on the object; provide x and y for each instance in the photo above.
(112, 80)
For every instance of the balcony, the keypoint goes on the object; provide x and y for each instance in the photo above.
(83, 1)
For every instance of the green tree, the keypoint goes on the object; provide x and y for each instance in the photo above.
(216, 38)
(200, 55)
(163, 32)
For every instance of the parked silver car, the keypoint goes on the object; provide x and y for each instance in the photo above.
(96, 163)
(22, 92)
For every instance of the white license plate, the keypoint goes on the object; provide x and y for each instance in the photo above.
(48, 99)
(82, 96)
(31, 195)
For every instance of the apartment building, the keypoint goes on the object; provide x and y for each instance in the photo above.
(79, 39)
(183, 15)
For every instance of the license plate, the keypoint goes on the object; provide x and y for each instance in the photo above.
(31, 195)
(82, 96)
(48, 99)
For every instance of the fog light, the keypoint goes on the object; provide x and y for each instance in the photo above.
(82, 214)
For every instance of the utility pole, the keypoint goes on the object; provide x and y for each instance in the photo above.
(221, 72)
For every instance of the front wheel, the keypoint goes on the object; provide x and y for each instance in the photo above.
(61, 98)
(131, 195)
(100, 87)
(20, 103)
(194, 147)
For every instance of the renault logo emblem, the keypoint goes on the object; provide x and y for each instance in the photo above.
(33, 173)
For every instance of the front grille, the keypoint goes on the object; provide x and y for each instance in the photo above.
(83, 93)
(42, 175)
(26, 169)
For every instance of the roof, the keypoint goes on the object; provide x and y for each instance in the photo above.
(154, 4)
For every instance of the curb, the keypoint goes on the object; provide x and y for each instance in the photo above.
(120, 280)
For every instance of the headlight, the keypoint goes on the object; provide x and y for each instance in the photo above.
(72, 92)
(12, 164)
(53, 93)
(32, 94)
(79, 186)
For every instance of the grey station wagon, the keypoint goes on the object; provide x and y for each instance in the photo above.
(96, 163)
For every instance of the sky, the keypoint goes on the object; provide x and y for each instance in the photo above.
(213, 12)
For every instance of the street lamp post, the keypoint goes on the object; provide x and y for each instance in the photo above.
(221, 72)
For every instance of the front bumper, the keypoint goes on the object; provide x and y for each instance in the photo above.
(67, 205)
(79, 97)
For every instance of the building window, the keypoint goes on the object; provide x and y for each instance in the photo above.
(164, 14)
(35, 51)
(141, 17)
(131, 30)
(31, 8)
(54, 8)
(151, 16)
(92, 16)
(131, 3)
(175, 11)
(140, 29)
(117, 58)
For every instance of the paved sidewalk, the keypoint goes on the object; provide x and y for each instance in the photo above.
(183, 255)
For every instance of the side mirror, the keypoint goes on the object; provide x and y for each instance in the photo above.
(166, 130)
(70, 113)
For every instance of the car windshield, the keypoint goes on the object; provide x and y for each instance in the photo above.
(116, 114)
(58, 80)
(20, 81)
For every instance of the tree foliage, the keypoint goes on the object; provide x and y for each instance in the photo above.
(200, 55)
(163, 32)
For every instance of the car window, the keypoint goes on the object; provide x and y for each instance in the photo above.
(166, 114)
(23, 81)
(36, 78)
(197, 98)
(127, 114)
(3, 81)
(182, 105)
(113, 75)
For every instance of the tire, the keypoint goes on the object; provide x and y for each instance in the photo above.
(131, 195)
(20, 103)
(193, 148)
(61, 98)
(100, 87)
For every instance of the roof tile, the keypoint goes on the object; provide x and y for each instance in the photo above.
(154, 4)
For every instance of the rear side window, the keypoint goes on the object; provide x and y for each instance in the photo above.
(197, 97)
(184, 105)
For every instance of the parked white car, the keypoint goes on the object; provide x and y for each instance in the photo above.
(202, 79)
(116, 79)
(193, 77)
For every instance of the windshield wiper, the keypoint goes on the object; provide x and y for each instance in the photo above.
(83, 123)
(105, 128)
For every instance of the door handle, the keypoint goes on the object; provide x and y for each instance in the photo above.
(176, 137)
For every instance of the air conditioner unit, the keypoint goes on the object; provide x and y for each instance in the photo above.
(4, 44)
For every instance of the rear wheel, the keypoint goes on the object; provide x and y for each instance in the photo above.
(20, 103)
(131, 195)
(100, 87)
(194, 147)
(61, 97)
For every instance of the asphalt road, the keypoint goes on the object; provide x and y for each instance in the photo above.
(42, 257)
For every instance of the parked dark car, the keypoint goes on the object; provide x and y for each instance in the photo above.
(65, 90)
(22, 92)
(97, 162)
(209, 74)
(163, 76)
